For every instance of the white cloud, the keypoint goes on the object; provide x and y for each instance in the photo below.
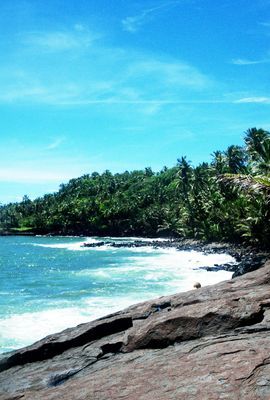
(56, 143)
(244, 61)
(59, 40)
(30, 91)
(100, 74)
(260, 100)
(123, 77)
(132, 24)
(19, 91)
(169, 74)
(266, 24)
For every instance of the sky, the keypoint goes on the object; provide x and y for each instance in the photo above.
(89, 85)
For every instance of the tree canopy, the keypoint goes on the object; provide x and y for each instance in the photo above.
(226, 199)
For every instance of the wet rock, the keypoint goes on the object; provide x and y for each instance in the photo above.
(246, 259)
(95, 244)
(250, 263)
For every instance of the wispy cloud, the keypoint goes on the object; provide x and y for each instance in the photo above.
(52, 97)
(255, 99)
(18, 91)
(55, 144)
(116, 77)
(171, 73)
(266, 24)
(244, 61)
(133, 23)
(57, 41)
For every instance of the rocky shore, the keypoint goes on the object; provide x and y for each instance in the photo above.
(211, 343)
(247, 258)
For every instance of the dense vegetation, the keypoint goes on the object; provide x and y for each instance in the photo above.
(227, 199)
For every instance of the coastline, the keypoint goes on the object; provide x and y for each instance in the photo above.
(86, 283)
(206, 343)
(172, 254)
(248, 258)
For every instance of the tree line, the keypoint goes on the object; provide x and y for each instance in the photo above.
(226, 199)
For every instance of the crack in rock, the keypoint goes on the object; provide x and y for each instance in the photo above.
(265, 362)
(160, 334)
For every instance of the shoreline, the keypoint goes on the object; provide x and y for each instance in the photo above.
(248, 258)
(161, 272)
(169, 342)
(162, 331)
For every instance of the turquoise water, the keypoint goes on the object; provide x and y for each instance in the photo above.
(50, 283)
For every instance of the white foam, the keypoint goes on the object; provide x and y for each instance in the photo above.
(155, 272)
(73, 246)
(79, 246)
(24, 329)
(99, 273)
(175, 261)
(166, 271)
(135, 238)
(100, 306)
(205, 278)
(27, 328)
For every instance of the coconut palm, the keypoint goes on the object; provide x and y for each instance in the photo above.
(258, 148)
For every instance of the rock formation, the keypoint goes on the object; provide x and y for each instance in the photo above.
(211, 343)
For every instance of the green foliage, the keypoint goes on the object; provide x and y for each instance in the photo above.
(227, 199)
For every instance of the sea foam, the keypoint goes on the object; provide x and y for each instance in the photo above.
(95, 283)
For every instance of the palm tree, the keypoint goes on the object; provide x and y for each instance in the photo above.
(219, 162)
(248, 183)
(184, 175)
(258, 147)
(236, 159)
(254, 139)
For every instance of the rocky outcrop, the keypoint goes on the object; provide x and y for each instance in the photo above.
(247, 259)
(209, 343)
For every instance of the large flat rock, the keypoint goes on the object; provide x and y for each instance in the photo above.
(210, 343)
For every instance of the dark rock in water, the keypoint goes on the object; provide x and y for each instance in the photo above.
(250, 263)
(221, 267)
(95, 244)
(212, 343)
(247, 259)
(131, 244)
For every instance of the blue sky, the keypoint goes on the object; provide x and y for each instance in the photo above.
(91, 85)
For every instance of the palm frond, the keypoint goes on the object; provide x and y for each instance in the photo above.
(257, 184)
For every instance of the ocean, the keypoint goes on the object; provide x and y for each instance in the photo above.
(48, 284)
